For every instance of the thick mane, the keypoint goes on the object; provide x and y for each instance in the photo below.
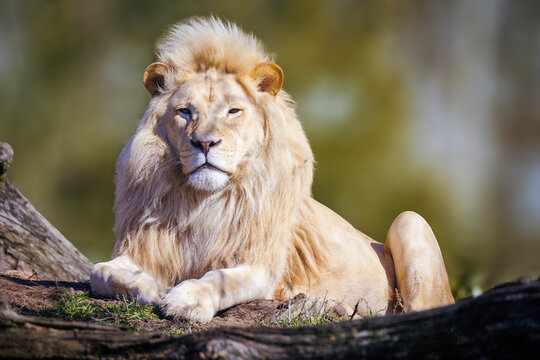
(200, 44)
(177, 233)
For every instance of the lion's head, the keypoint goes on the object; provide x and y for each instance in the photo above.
(219, 157)
(212, 124)
(212, 121)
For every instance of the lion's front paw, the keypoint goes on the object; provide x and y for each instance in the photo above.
(191, 300)
(109, 279)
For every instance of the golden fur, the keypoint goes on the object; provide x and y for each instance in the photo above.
(258, 213)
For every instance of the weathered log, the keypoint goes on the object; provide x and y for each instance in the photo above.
(503, 323)
(28, 242)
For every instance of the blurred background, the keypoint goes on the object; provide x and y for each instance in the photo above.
(431, 106)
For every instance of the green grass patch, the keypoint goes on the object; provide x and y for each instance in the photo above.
(77, 306)
(303, 320)
(176, 331)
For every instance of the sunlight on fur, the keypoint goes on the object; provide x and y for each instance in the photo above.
(213, 197)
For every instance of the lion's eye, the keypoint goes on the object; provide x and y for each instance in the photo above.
(184, 111)
(235, 111)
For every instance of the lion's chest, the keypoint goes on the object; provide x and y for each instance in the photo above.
(200, 251)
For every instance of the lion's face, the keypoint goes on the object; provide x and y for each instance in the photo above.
(212, 127)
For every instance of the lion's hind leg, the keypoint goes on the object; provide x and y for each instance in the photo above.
(121, 276)
(419, 266)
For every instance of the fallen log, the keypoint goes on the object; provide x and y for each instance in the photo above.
(502, 323)
(29, 244)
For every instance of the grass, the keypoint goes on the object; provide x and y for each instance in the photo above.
(175, 331)
(74, 305)
(77, 305)
(302, 320)
(307, 312)
(326, 318)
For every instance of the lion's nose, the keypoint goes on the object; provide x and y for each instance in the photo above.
(205, 145)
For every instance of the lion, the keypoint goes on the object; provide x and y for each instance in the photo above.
(213, 203)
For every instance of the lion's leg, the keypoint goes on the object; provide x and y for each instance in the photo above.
(121, 276)
(419, 266)
(199, 300)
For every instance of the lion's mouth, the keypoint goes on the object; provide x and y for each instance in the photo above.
(209, 166)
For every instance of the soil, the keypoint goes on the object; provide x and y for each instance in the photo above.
(29, 295)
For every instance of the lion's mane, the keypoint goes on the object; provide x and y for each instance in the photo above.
(176, 233)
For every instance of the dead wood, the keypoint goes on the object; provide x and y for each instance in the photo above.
(28, 242)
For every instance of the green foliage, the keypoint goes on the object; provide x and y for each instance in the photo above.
(77, 306)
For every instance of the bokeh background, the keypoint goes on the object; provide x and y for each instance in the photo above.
(431, 106)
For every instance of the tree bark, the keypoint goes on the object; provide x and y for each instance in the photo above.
(503, 323)
(28, 242)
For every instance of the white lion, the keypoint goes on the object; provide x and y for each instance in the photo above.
(213, 197)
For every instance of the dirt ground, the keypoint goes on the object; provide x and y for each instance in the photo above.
(30, 296)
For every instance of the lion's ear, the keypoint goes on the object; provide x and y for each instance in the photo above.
(269, 77)
(154, 77)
